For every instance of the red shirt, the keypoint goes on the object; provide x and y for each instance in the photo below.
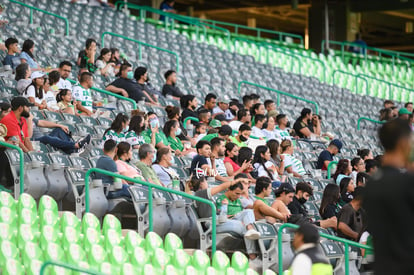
(14, 127)
(233, 164)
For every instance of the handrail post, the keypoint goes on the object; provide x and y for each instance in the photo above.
(18, 183)
(31, 17)
(329, 168)
(66, 266)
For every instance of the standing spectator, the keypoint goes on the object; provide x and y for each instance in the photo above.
(103, 64)
(34, 92)
(167, 6)
(329, 204)
(126, 85)
(259, 121)
(123, 162)
(282, 126)
(16, 123)
(26, 56)
(147, 155)
(134, 135)
(326, 156)
(163, 169)
(188, 105)
(389, 202)
(106, 162)
(343, 169)
(64, 102)
(304, 125)
(309, 258)
(351, 217)
(209, 103)
(83, 95)
(118, 128)
(23, 77)
(65, 68)
(292, 164)
(141, 77)
(86, 57)
(12, 59)
(243, 117)
(170, 88)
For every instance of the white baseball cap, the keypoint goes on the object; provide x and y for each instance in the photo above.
(37, 74)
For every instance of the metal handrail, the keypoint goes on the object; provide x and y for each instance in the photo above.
(329, 168)
(368, 119)
(278, 92)
(109, 93)
(18, 183)
(351, 74)
(386, 82)
(346, 242)
(44, 11)
(140, 49)
(189, 118)
(150, 199)
(67, 266)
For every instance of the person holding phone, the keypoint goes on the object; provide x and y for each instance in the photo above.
(230, 160)
(307, 124)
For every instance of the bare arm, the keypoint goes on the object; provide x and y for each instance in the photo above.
(306, 132)
(219, 188)
(347, 230)
(264, 210)
(290, 171)
(82, 108)
(116, 90)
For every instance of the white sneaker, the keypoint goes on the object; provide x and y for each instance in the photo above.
(252, 234)
(256, 264)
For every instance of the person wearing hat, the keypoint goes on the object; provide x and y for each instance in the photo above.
(309, 258)
(151, 94)
(35, 92)
(222, 111)
(326, 156)
(403, 113)
(284, 195)
(170, 87)
(16, 123)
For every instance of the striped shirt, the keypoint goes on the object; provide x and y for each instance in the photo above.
(297, 166)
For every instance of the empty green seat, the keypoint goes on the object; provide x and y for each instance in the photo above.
(7, 200)
(75, 254)
(152, 242)
(112, 238)
(48, 217)
(54, 251)
(200, 260)
(13, 267)
(47, 203)
(69, 219)
(180, 259)
(26, 201)
(31, 251)
(89, 220)
(220, 262)
(97, 255)
(27, 216)
(239, 262)
(129, 269)
(8, 252)
(132, 240)
(139, 257)
(7, 232)
(160, 259)
(171, 243)
(48, 234)
(117, 256)
(26, 233)
(34, 267)
(111, 222)
(107, 268)
(8, 216)
(90, 238)
(70, 236)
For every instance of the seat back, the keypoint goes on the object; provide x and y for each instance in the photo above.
(58, 184)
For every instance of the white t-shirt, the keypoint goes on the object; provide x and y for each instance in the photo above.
(282, 134)
(257, 132)
(96, 3)
(100, 65)
(84, 96)
(64, 84)
(32, 93)
(235, 125)
(51, 100)
(261, 171)
(270, 134)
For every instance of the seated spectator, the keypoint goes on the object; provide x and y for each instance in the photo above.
(243, 135)
(224, 133)
(65, 103)
(217, 158)
(275, 157)
(49, 96)
(304, 125)
(361, 179)
(230, 160)
(261, 206)
(204, 116)
(34, 92)
(12, 59)
(170, 88)
(292, 164)
(343, 169)
(199, 165)
(284, 195)
(141, 77)
(297, 206)
(247, 102)
(65, 68)
(365, 154)
(26, 56)
(270, 131)
(103, 64)
(329, 204)
(257, 109)
(200, 132)
(188, 105)
(263, 167)
(83, 95)
(394, 111)
(409, 106)
(222, 111)
(403, 113)
(259, 121)
(167, 6)
(173, 113)
(172, 130)
(134, 135)
(116, 58)
(351, 217)
(5, 109)
(123, 162)
(54, 77)
(162, 168)
(23, 77)
(347, 188)
(358, 166)
(147, 155)
(118, 128)
(126, 85)
(243, 117)
(86, 57)
(246, 199)
(237, 225)
(269, 105)
(326, 156)
(282, 126)
(385, 114)
(371, 166)
(154, 134)
(209, 103)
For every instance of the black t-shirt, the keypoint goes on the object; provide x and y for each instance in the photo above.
(389, 202)
(354, 219)
(330, 211)
(299, 124)
(296, 207)
(171, 90)
(131, 87)
(323, 156)
(84, 62)
(196, 164)
(187, 113)
(203, 209)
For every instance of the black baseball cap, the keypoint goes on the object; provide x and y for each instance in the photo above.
(20, 101)
(284, 187)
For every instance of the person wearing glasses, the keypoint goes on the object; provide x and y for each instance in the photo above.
(65, 68)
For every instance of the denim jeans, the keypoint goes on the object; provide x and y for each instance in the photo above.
(60, 140)
(121, 193)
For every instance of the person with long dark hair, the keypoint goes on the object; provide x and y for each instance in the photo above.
(246, 155)
(27, 56)
(22, 77)
(358, 165)
(275, 157)
(172, 130)
(262, 164)
(65, 104)
(347, 188)
(307, 124)
(105, 66)
(230, 160)
(34, 92)
(118, 128)
(365, 154)
(123, 162)
(329, 204)
(343, 169)
(134, 136)
(188, 105)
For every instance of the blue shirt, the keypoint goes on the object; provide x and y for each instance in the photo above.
(12, 60)
(165, 7)
(108, 164)
(30, 61)
(323, 156)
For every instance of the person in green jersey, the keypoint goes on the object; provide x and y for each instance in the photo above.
(134, 135)
(224, 132)
(156, 135)
(261, 206)
(118, 128)
(83, 95)
(242, 136)
(172, 130)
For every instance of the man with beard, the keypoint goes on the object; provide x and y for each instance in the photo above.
(170, 87)
(17, 126)
(65, 68)
(217, 151)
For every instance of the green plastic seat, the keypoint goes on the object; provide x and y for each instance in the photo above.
(239, 262)
(47, 203)
(7, 200)
(220, 262)
(160, 259)
(69, 219)
(139, 257)
(54, 251)
(8, 252)
(13, 267)
(200, 260)
(152, 242)
(48, 217)
(26, 201)
(171, 243)
(89, 220)
(112, 238)
(48, 234)
(25, 234)
(97, 255)
(84, 265)
(180, 259)
(107, 268)
(132, 240)
(27, 216)
(117, 256)
(111, 222)
(190, 270)
(250, 271)
(171, 270)
(269, 272)
(7, 232)
(75, 254)
(91, 237)
(129, 269)
(31, 251)
(34, 267)
(8, 216)
(70, 236)
(149, 269)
